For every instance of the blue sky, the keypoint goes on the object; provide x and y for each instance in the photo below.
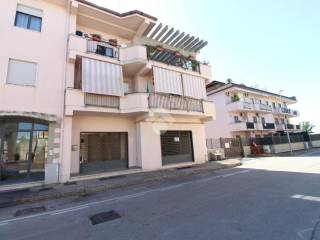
(273, 44)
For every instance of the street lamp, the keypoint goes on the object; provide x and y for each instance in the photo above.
(286, 125)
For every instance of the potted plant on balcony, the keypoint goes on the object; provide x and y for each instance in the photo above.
(177, 54)
(113, 42)
(96, 37)
(159, 49)
(235, 98)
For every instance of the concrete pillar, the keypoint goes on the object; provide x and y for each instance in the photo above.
(148, 146)
(52, 164)
(65, 160)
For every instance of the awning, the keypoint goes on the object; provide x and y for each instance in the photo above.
(101, 77)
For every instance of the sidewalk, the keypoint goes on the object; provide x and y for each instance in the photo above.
(85, 187)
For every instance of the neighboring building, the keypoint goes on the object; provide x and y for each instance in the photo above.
(85, 90)
(248, 112)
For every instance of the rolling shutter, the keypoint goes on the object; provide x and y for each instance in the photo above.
(167, 81)
(100, 77)
(194, 86)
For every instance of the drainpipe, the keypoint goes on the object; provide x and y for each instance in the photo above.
(64, 84)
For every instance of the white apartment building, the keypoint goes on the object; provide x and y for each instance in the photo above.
(249, 112)
(86, 91)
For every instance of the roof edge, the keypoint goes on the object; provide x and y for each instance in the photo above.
(230, 85)
(125, 14)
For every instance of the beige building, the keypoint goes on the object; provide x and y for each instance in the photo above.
(249, 112)
(88, 91)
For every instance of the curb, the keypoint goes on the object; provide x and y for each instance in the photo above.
(85, 191)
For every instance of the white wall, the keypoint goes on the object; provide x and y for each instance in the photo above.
(102, 124)
(220, 126)
(47, 48)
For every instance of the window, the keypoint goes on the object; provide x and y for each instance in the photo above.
(236, 119)
(255, 119)
(274, 105)
(263, 120)
(105, 51)
(276, 121)
(21, 72)
(28, 18)
(282, 121)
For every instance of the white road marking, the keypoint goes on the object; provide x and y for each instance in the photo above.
(116, 199)
(304, 197)
(68, 210)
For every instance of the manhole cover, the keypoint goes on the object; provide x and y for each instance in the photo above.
(104, 217)
(28, 211)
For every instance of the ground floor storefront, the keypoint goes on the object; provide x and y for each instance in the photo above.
(29, 148)
(95, 144)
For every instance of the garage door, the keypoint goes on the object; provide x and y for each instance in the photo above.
(176, 147)
(102, 152)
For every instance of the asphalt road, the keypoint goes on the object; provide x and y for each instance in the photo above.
(268, 198)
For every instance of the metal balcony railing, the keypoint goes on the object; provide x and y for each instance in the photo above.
(174, 102)
(103, 48)
(250, 125)
(290, 126)
(268, 126)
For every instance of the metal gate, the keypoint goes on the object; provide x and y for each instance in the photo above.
(176, 147)
(232, 147)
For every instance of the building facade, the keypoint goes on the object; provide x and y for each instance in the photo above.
(249, 112)
(85, 90)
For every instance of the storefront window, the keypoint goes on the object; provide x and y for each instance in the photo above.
(23, 150)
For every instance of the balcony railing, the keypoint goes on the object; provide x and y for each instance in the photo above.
(265, 107)
(290, 126)
(250, 125)
(103, 48)
(173, 102)
(172, 58)
(268, 126)
(101, 100)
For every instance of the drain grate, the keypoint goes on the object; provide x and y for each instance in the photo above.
(45, 189)
(70, 183)
(182, 168)
(104, 217)
(113, 177)
(28, 211)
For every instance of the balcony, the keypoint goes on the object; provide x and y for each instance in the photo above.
(77, 101)
(268, 126)
(242, 126)
(289, 127)
(240, 106)
(286, 111)
(99, 50)
(263, 107)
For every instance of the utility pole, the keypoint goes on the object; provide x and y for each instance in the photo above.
(286, 123)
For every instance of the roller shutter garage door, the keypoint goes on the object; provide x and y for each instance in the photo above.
(176, 147)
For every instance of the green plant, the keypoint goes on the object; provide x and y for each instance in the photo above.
(235, 98)
(307, 126)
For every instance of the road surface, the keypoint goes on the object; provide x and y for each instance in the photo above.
(268, 198)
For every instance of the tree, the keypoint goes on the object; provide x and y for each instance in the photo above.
(307, 126)
(229, 80)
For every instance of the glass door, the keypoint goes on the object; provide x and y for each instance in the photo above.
(23, 151)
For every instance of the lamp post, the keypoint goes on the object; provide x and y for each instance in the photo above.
(286, 121)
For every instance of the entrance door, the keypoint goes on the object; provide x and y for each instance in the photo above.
(176, 147)
(23, 150)
(102, 152)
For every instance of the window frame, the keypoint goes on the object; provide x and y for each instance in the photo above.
(18, 84)
(29, 21)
